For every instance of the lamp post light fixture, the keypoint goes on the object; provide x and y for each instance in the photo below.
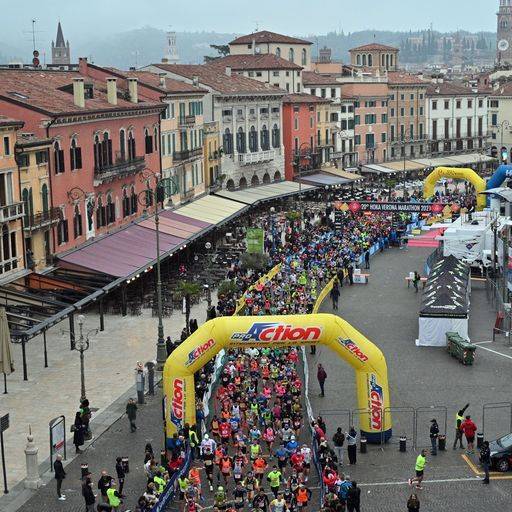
(503, 154)
(207, 286)
(81, 345)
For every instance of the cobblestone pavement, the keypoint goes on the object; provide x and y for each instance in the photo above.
(109, 372)
(386, 311)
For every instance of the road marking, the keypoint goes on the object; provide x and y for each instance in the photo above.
(495, 475)
(496, 352)
(482, 342)
(440, 481)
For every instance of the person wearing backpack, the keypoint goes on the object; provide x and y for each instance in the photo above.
(338, 440)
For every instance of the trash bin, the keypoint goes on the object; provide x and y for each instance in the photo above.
(363, 445)
(479, 440)
(441, 441)
(125, 462)
(84, 469)
(403, 444)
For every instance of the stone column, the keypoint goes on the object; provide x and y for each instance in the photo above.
(33, 481)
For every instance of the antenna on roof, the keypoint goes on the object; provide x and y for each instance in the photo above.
(33, 33)
(257, 23)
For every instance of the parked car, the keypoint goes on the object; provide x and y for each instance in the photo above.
(501, 453)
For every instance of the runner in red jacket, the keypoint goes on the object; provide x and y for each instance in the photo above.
(469, 429)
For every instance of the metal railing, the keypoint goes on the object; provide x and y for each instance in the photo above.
(186, 120)
(42, 219)
(11, 211)
(122, 166)
(187, 154)
(256, 157)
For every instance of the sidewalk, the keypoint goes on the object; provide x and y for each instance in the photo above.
(52, 391)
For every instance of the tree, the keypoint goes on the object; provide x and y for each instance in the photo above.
(227, 288)
(188, 290)
(254, 261)
(222, 50)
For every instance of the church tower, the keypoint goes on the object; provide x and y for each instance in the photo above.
(171, 53)
(60, 49)
(504, 39)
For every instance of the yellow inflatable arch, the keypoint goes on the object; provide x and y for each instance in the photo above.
(459, 173)
(279, 331)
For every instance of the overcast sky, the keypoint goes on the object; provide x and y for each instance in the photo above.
(83, 19)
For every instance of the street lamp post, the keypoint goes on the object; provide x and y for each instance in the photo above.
(503, 126)
(147, 198)
(207, 287)
(300, 155)
(272, 211)
(405, 138)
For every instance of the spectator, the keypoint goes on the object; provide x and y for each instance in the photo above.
(60, 474)
(321, 375)
(131, 412)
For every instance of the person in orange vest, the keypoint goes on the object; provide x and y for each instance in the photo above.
(302, 496)
(259, 466)
(225, 468)
(195, 479)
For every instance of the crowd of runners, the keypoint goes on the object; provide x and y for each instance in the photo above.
(251, 453)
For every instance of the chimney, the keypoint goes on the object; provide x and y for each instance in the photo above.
(79, 92)
(228, 71)
(83, 66)
(195, 80)
(253, 46)
(162, 79)
(112, 91)
(132, 90)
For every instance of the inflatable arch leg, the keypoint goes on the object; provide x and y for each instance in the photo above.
(279, 331)
(459, 173)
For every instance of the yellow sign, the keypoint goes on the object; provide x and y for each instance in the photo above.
(279, 331)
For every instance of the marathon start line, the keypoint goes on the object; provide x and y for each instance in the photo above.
(279, 331)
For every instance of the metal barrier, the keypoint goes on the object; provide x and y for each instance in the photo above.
(442, 425)
(396, 424)
(343, 413)
(496, 406)
(357, 413)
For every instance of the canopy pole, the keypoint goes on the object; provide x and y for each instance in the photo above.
(123, 299)
(102, 317)
(71, 317)
(24, 356)
(45, 351)
(5, 383)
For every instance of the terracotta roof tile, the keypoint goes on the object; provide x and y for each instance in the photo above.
(247, 62)
(304, 98)
(264, 36)
(52, 92)
(313, 78)
(449, 89)
(218, 80)
(503, 90)
(398, 78)
(374, 47)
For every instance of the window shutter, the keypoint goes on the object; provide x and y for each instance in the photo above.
(78, 158)
(65, 224)
(71, 159)
(61, 160)
(109, 149)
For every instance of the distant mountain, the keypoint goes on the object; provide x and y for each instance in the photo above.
(142, 46)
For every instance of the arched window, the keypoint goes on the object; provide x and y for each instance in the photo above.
(240, 140)
(98, 160)
(230, 185)
(387, 61)
(155, 138)
(101, 218)
(77, 222)
(255, 181)
(106, 150)
(266, 178)
(370, 60)
(278, 52)
(364, 59)
(58, 156)
(133, 200)
(291, 55)
(358, 59)
(383, 60)
(265, 141)
(148, 142)
(62, 231)
(75, 155)
(131, 146)
(122, 144)
(391, 60)
(228, 142)
(275, 136)
(253, 140)
(126, 203)
(277, 176)
(111, 210)
(242, 183)
(6, 247)
(304, 58)
(44, 197)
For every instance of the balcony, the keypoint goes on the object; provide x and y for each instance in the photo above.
(257, 157)
(121, 167)
(186, 121)
(187, 154)
(11, 212)
(213, 156)
(43, 219)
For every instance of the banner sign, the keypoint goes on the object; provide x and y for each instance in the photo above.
(57, 438)
(254, 240)
(374, 206)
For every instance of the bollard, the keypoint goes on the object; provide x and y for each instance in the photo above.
(403, 444)
(33, 480)
(479, 440)
(441, 443)
(84, 469)
(125, 462)
(362, 445)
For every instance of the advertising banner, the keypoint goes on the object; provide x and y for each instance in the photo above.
(254, 240)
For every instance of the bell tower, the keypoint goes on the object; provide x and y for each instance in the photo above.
(504, 36)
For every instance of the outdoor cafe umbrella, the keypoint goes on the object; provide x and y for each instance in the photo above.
(6, 362)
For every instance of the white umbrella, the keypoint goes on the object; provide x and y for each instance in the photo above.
(6, 362)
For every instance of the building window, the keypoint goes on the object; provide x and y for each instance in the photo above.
(383, 137)
(384, 118)
(291, 55)
(102, 151)
(133, 200)
(62, 232)
(458, 104)
(7, 146)
(296, 123)
(131, 146)
(275, 137)
(480, 103)
(228, 142)
(434, 105)
(58, 155)
(77, 223)
(358, 59)
(111, 210)
(148, 142)
(240, 140)
(304, 59)
(122, 145)
(101, 214)
(470, 103)
(494, 119)
(126, 204)
(265, 141)
(75, 155)
(278, 52)
(41, 157)
(155, 138)
(253, 140)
